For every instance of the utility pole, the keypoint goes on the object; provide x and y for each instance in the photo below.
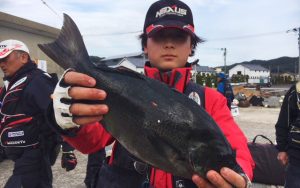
(225, 52)
(297, 30)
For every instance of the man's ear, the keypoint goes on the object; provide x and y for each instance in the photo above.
(145, 49)
(192, 50)
(24, 58)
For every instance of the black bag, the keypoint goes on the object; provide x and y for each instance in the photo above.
(256, 101)
(268, 170)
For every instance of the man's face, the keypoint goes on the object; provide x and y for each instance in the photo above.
(168, 48)
(13, 62)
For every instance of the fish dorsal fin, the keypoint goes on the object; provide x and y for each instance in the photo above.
(124, 70)
(68, 49)
(120, 70)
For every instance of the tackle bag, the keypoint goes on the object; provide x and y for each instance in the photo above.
(268, 170)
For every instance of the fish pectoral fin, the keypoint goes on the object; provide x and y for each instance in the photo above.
(120, 70)
(127, 71)
(170, 158)
(164, 148)
(199, 158)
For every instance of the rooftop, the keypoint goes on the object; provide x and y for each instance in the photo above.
(255, 67)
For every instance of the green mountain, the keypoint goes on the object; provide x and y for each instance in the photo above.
(279, 65)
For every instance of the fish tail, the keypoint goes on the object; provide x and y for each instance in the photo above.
(68, 50)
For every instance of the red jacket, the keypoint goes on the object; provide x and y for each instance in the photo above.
(93, 137)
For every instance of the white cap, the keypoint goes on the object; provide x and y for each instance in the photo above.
(8, 46)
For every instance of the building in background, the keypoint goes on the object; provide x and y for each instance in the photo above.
(205, 70)
(134, 61)
(256, 73)
(288, 76)
(31, 33)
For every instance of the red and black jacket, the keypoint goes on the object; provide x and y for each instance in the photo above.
(91, 138)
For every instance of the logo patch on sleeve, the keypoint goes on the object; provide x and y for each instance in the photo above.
(15, 134)
(195, 97)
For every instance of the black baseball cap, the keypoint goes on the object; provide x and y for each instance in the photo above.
(169, 14)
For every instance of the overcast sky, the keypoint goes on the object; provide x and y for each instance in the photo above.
(248, 29)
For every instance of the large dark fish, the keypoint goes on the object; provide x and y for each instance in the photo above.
(157, 124)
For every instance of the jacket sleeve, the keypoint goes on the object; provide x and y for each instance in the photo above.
(285, 118)
(90, 138)
(216, 106)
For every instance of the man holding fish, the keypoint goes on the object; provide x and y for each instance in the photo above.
(154, 127)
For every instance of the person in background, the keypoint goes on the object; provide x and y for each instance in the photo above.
(168, 39)
(224, 87)
(288, 136)
(24, 133)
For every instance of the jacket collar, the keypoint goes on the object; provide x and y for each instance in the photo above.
(28, 67)
(175, 78)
